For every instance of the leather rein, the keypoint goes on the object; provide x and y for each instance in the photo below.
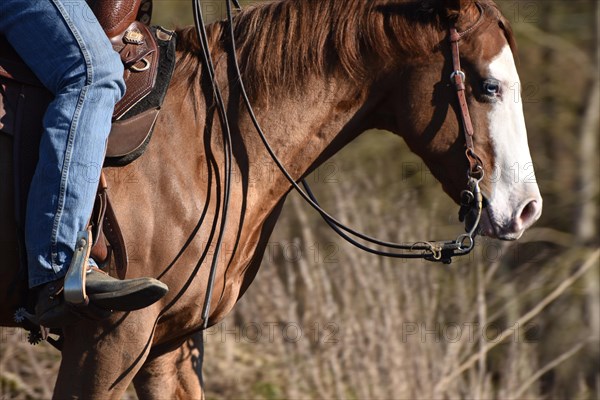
(436, 251)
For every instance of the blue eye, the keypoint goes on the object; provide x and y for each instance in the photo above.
(491, 87)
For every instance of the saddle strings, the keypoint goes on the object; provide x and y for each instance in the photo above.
(432, 251)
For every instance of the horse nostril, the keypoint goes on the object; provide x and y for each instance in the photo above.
(529, 214)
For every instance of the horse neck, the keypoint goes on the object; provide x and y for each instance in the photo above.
(303, 129)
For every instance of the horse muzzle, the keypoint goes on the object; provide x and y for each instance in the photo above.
(497, 223)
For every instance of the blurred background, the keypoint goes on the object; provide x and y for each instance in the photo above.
(325, 320)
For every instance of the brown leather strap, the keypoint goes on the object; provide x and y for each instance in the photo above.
(106, 229)
(458, 78)
(113, 233)
(100, 251)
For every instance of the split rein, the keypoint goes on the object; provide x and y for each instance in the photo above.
(436, 251)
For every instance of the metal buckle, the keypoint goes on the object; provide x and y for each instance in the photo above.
(459, 73)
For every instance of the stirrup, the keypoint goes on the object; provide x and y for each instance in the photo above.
(74, 286)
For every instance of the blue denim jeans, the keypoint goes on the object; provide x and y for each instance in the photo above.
(64, 45)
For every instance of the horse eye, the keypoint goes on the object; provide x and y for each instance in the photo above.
(491, 87)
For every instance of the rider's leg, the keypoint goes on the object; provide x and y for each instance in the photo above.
(73, 58)
(65, 46)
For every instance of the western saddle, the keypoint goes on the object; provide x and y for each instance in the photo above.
(148, 55)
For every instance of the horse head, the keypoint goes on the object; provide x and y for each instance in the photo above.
(422, 107)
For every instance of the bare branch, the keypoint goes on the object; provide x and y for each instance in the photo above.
(591, 262)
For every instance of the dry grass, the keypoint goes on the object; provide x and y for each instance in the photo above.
(325, 320)
(377, 328)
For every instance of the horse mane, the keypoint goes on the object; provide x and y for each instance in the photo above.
(280, 43)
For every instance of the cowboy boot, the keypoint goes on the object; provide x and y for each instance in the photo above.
(109, 293)
(105, 293)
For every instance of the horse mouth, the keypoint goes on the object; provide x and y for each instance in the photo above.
(490, 226)
(485, 227)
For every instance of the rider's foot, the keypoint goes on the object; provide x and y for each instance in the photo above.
(105, 294)
(110, 293)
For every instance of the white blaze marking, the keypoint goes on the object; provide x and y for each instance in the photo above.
(514, 179)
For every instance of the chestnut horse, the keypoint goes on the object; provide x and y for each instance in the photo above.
(319, 73)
